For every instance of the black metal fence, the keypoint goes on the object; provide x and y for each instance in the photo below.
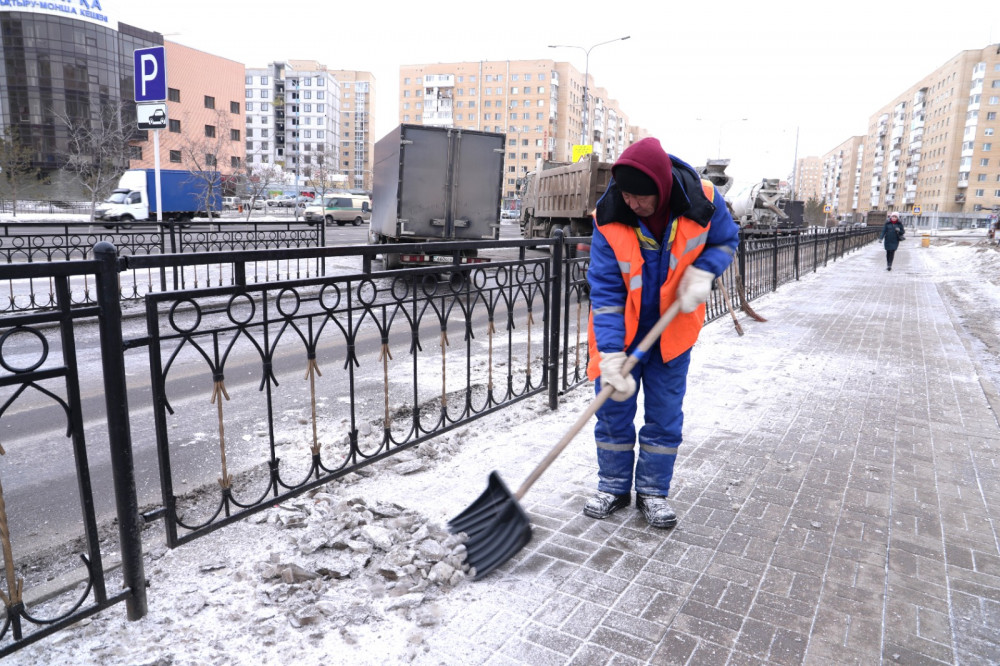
(45, 242)
(250, 391)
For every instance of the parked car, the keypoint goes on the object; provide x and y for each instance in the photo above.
(257, 204)
(230, 203)
(281, 201)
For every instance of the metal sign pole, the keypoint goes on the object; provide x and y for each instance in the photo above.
(156, 174)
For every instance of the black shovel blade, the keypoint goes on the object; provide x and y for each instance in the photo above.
(496, 525)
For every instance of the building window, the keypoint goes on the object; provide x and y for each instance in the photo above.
(210, 131)
(135, 152)
(173, 95)
(984, 161)
(210, 160)
(319, 134)
(249, 93)
(234, 107)
(249, 106)
(264, 106)
(175, 156)
(249, 146)
(320, 94)
(234, 162)
(307, 94)
(987, 147)
(209, 102)
(263, 80)
(175, 126)
(979, 193)
(234, 134)
(263, 145)
(249, 80)
(263, 94)
(263, 132)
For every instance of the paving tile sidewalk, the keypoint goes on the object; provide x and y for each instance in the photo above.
(844, 511)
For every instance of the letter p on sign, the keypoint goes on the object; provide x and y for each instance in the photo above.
(150, 67)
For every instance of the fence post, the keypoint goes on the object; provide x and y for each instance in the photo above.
(119, 434)
(555, 318)
(774, 262)
(796, 257)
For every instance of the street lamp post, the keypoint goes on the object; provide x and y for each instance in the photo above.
(586, 80)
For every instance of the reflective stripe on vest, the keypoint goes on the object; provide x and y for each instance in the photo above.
(687, 240)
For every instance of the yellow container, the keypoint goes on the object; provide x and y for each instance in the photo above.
(925, 241)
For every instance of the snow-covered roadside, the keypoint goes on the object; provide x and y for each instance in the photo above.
(248, 593)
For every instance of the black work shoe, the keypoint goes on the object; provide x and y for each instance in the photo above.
(888, 268)
(656, 511)
(604, 504)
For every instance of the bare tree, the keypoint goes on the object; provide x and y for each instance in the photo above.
(15, 163)
(202, 154)
(324, 176)
(259, 177)
(99, 148)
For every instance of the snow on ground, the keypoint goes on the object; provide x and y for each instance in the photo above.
(362, 571)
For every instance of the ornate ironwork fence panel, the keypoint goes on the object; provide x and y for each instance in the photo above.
(40, 390)
(302, 381)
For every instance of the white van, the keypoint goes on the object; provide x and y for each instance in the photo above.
(340, 209)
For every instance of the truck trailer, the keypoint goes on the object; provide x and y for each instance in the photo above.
(184, 195)
(435, 184)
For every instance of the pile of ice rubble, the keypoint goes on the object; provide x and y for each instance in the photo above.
(332, 571)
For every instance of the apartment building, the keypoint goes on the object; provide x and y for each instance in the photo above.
(807, 178)
(357, 122)
(538, 104)
(840, 178)
(292, 117)
(933, 148)
(205, 125)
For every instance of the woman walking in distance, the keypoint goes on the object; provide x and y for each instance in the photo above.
(892, 233)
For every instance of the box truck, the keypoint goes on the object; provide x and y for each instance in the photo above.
(184, 195)
(435, 184)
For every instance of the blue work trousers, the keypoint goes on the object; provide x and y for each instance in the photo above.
(663, 387)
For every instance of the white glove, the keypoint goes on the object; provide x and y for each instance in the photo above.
(611, 374)
(694, 288)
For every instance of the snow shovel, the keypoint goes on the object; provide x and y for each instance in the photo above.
(496, 525)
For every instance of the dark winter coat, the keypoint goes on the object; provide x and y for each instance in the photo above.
(890, 234)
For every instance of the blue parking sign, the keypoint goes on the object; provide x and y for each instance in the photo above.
(150, 65)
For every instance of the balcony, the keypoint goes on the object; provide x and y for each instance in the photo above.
(960, 198)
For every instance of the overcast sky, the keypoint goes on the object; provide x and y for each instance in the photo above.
(689, 72)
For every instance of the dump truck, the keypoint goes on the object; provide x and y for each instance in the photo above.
(560, 195)
(436, 184)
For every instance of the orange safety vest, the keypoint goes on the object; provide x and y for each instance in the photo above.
(687, 242)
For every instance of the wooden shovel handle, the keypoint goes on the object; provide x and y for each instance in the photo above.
(606, 390)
